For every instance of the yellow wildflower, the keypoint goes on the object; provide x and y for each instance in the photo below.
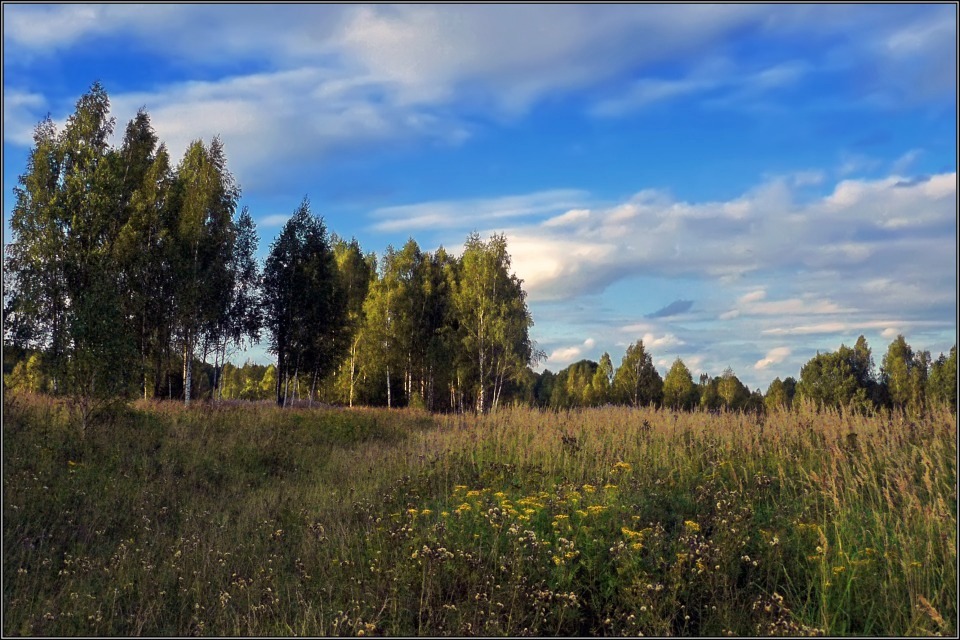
(473, 493)
(609, 487)
(691, 526)
(596, 509)
(426, 512)
(838, 570)
(622, 466)
(589, 488)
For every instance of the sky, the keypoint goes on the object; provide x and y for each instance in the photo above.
(737, 185)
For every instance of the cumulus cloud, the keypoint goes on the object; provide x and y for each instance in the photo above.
(778, 354)
(764, 231)
(658, 342)
(562, 356)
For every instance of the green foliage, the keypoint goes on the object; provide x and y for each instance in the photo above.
(843, 378)
(709, 393)
(117, 260)
(896, 371)
(636, 381)
(942, 383)
(780, 394)
(28, 376)
(303, 301)
(490, 306)
(600, 391)
(679, 391)
(572, 387)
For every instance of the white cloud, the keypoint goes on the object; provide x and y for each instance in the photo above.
(729, 84)
(753, 296)
(48, 27)
(808, 178)
(353, 76)
(563, 355)
(570, 217)
(903, 164)
(852, 328)
(659, 342)
(256, 113)
(274, 220)
(640, 327)
(778, 354)
(20, 109)
(760, 232)
(464, 213)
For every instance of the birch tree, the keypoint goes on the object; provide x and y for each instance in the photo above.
(636, 380)
(205, 200)
(493, 318)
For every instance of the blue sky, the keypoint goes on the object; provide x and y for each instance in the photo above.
(737, 185)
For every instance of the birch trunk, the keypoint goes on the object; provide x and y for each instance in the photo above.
(187, 371)
(389, 405)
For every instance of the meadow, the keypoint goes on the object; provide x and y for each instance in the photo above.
(245, 519)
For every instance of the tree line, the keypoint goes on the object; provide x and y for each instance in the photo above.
(128, 275)
(907, 379)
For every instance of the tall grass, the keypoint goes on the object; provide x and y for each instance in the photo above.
(250, 520)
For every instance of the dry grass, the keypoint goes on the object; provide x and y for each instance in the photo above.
(249, 520)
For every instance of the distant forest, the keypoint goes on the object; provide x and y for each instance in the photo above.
(127, 276)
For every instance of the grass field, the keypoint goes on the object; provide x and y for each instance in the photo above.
(249, 520)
